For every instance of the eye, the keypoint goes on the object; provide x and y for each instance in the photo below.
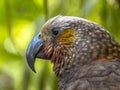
(55, 31)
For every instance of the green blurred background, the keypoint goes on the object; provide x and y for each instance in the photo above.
(20, 20)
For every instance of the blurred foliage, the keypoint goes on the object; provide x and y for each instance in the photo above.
(20, 20)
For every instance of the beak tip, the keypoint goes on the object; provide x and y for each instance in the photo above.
(32, 67)
(34, 70)
(31, 62)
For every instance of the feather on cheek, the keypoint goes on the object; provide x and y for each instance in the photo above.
(54, 51)
(67, 36)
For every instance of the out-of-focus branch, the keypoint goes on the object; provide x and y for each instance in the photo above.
(8, 18)
(26, 79)
(43, 77)
(118, 1)
(26, 73)
(45, 6)
(9, 24)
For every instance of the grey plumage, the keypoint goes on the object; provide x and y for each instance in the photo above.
(84, 54)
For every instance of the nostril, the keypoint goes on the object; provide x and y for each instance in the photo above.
(39, 36)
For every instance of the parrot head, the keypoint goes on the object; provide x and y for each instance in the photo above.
(53, 42)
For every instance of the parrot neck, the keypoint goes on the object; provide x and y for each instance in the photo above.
(82, 54)
(61, 57)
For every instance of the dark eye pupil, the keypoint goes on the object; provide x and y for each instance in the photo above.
(55, 32)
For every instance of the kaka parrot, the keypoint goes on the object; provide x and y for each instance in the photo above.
(84, 54)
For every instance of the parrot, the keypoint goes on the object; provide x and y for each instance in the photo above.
(85, 56)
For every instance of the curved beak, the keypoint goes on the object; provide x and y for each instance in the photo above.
(35, 50)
